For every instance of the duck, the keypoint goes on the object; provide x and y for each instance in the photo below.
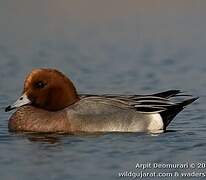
(50, 104)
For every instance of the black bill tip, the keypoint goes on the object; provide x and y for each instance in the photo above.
(9, 108)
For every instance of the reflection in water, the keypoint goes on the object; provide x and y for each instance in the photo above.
(56, 138)
(39, 137)
(43, 138)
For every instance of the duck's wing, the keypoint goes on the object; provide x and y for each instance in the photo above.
(144, 103)
(165, 94)
(155, 103)
(168, 94)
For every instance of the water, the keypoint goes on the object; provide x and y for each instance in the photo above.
(104, 47)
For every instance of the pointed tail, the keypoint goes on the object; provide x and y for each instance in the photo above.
(173, 110)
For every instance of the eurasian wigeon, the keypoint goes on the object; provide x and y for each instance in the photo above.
(50, 103)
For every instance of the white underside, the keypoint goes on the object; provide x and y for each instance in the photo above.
(156, 122)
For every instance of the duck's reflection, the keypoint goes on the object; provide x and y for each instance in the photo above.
(57, 138)
(51, 139)
(54, 138)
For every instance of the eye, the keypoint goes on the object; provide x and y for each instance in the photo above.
(39, 85)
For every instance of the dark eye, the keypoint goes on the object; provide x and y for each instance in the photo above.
(40, 85)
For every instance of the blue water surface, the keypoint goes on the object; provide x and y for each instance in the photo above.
(127, 47)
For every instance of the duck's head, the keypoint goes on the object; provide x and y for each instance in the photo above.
(47, 89)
